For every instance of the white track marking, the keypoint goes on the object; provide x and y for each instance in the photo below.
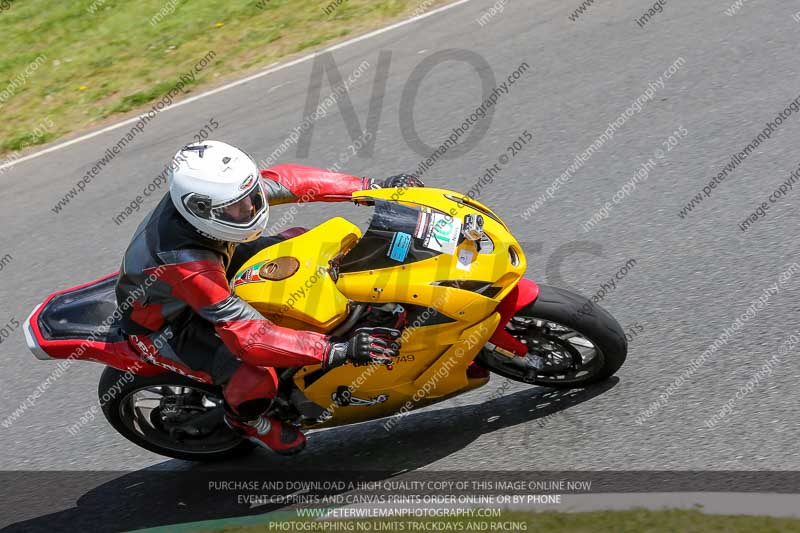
(267, 71)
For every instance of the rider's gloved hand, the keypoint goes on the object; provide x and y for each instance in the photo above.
(400, 180)
(366, 346)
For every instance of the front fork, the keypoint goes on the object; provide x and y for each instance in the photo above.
(523, 294)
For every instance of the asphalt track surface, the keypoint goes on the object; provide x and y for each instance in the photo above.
(693, 277)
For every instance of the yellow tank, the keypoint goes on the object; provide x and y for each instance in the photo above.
(290, 283)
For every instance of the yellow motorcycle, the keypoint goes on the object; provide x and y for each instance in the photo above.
(437, 265)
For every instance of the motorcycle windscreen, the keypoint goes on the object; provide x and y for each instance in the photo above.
(399, 234)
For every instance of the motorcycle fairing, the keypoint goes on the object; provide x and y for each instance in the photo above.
(67, 325)
(444, 281)
(441, 353)
(464, 288)
(524, 293)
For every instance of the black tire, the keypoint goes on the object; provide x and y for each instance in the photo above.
(118, 387)
(584, 317)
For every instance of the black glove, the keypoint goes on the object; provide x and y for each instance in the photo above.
(366, 346)
(402, 180)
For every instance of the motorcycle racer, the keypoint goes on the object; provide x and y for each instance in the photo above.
(193, 242)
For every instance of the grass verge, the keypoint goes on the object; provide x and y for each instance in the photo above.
(68, 66)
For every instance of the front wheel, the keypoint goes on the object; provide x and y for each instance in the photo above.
(580, 342)
(170, 415)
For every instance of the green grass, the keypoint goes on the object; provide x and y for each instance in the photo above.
(98, 66)
(633, 521)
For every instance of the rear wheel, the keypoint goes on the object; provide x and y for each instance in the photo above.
(580, 342)
(170, 415)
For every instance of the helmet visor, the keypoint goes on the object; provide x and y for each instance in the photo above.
(244, 210)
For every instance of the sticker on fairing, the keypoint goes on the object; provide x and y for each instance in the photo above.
(249, 275)
(398, 250)
(442, 233)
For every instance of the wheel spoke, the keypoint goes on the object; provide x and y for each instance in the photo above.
(581, 341)
(147, 403)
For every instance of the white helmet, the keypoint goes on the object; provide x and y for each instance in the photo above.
(218, 189)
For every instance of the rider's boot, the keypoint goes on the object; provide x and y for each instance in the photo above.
(248, 395)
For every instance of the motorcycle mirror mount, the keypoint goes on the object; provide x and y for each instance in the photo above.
(473, 227)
